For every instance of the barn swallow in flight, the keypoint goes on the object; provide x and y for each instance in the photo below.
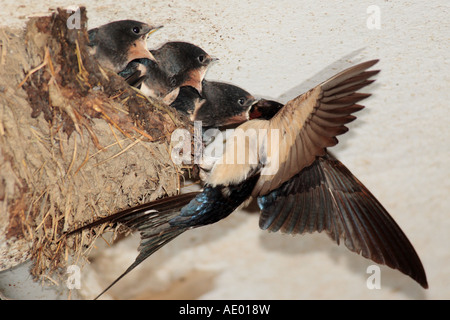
(176, 64)
(117, 43)
(220, 104)
(184, 59)
(311, 191)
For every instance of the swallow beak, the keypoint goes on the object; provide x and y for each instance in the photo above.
(212, 59)
(153, 29)
(148, 30)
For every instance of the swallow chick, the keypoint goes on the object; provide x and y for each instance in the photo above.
(220, 104)
(117, 43)
(299, 186)
(185, 60)
(176, 64)
(146, 75)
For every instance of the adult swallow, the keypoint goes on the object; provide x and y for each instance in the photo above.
(309, 191)
(220, 104)
(117, 43)
(176, 64)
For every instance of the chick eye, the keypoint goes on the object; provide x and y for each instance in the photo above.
(173, 82)
(201, 58)
(136, 30)
(241, 101)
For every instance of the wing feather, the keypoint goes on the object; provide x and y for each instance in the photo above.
(314, 119)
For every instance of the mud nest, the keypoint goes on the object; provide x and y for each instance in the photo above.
(76, 143)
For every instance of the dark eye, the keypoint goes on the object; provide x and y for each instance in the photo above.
(173, 82)
(136, 30)
(201, 58)
(241, 101)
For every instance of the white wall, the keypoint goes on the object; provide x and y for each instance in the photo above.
(399, 146)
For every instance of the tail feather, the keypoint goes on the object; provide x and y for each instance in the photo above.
(147, 247)
(132, 216)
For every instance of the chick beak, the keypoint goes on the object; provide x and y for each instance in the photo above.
(153, 29)
(212, 59)
(264, 109)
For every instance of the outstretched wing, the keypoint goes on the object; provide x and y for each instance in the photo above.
(152, 220)
(326, 196)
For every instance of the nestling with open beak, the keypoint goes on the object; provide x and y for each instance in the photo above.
(117, 43)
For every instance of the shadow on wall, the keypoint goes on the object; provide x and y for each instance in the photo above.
(302, 245)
